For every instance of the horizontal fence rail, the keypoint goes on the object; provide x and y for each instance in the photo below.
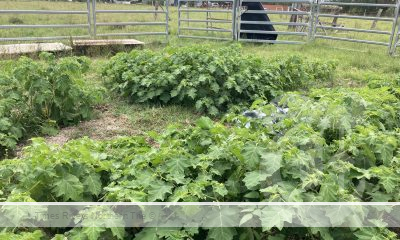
(40, 12)
(358, 4)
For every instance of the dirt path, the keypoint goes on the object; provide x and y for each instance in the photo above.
(107, 125)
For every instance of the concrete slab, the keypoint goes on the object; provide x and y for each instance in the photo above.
(95, 47)
(18, 49)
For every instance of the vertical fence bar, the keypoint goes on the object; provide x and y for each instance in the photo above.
(166, 19)
(311, 21)
(395, 42)
(94, 18)
(179, 17)
(316, 16)
(187, 14)
(392, 46)
(234, 36)
(89, 18)
(239, 18)
(208, 17)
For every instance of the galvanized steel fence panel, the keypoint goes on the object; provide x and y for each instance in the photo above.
(48, 12)
(122, 11)
(208, 31)
(304, 34)
(91, 23)
(388, 43)
(311, 28)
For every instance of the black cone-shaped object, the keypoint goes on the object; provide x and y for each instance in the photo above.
(256, 17)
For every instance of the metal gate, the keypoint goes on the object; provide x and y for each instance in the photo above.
(319, 25)
(219, 22)
(299, 21)
(154, 13)
(84, 25)
(292, 32)
(296, 22)
(91, 24)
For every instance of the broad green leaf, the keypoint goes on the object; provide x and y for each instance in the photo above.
(68, 187)
(252, 195)
(276, 216)
(369, 234)
(245, 219)
(233, 185)
(118, 232)
(16, 214)
(386, 152)
(170, 233)
(158, 191)
(205, 123)
(58, 237)
(93, 233)
(222, 217)
(387, 177)
(271, 162)
(177, 165)
(221, 233)
(254, 178)
(380, 196)
(220, 189)
(147, 234)
(92, 184)
(192, 93)
(324, 232)
(338, 214)
(328, 190)
(389, 182)
(252, 155)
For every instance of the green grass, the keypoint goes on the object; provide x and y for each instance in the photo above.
(145, 118)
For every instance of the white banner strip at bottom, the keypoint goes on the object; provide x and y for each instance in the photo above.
(200, 214)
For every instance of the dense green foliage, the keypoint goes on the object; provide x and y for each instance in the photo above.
(37, 96)
(211, 80)
(332, 145)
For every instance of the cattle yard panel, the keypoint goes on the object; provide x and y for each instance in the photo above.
(294, 35)
(87, 25)
(209, 31)
(302, 22)
(390, 34)
(97, 24)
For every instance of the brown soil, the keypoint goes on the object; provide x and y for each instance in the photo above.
(106, 126)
